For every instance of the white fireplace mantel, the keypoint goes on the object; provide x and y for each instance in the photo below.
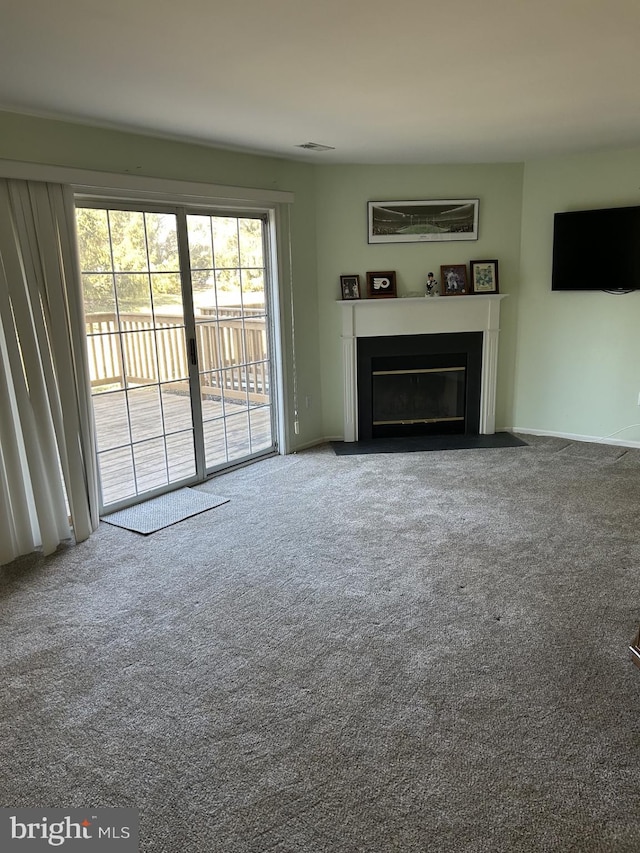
(366, 318)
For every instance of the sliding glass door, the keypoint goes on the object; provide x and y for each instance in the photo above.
(178, 334)
(229, 280)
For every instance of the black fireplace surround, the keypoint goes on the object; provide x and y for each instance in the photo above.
(443, 365)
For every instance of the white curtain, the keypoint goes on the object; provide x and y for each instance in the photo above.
(47, 442)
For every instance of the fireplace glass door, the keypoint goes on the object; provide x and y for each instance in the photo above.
(420, 396)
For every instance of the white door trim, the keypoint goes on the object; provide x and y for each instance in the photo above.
(113, 184)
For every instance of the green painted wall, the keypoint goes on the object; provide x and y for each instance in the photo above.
(578, 354)
(568, 363)
(36, 140)
(343, 193)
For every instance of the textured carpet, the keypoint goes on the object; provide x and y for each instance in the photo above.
(363, 654)
(422, 443)
(155, 514)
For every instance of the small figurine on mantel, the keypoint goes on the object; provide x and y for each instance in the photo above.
(432, 285)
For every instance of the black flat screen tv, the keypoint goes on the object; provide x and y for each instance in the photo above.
(597, 250)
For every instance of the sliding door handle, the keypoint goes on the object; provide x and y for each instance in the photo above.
(193, 352)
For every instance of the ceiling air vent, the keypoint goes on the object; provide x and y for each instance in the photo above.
(316, 146)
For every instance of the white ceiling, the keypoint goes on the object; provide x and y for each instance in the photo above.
(384, 81)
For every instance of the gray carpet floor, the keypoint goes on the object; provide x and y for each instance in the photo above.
(420, 652)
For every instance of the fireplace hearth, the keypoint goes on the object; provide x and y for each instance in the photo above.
(412, 385)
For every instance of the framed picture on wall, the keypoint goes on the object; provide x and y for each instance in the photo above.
(453, 280)
(484, 276)
(381, 284)
(350, 286)
(426, 221)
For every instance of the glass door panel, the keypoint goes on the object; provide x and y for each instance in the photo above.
(228, 274)
(136, 338)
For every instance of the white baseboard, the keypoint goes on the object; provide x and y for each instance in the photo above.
(570, 436)
(315, 443)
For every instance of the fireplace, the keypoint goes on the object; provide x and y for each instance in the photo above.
(419, 385)
(440, 327)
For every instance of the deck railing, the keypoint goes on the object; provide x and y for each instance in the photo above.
(153, 349)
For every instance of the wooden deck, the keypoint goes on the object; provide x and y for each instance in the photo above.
(145, 433)
(150, 444)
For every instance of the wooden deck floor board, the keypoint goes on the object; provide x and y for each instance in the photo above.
(127, 469)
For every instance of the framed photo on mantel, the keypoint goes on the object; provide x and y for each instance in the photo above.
(381, 284)
(453, 280)
(484, 276)
(350, 286)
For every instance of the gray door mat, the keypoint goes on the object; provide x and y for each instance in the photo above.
(163, 511)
